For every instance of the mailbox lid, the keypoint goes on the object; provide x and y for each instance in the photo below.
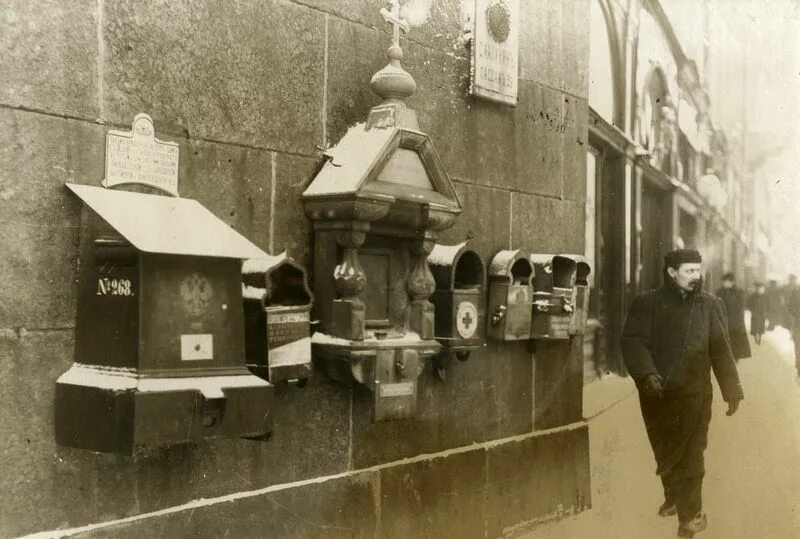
(166, 225)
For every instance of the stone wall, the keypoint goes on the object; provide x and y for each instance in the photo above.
(251, 91)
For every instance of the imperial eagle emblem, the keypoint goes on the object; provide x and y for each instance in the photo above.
(196, 292)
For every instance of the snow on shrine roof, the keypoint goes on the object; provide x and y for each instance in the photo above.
(356, 154)
(161, 224)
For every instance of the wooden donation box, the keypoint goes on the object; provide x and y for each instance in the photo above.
(553, 295)
(160, 348)
(377, 205)
(460, 279)
(277, 309)
(510, 294)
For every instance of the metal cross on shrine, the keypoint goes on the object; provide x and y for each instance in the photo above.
(393, 18)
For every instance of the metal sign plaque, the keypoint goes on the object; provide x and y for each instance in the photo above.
(138, 157)
(495, 50)
(288, 337)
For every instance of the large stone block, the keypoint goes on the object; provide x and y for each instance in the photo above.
(575, 148)
(310, 439)
(441, 497)
(435, 24)
(39, 234)
(575, 28)
(343, 507)
(558, 380)
(540, 47)
(350, 68)
(233, 182)
(61, 486)
(292, 229)
(244, 72)
(547, 225)
(485, 220)
(44, 486)
(534, 478)
(487, 397)
(554, 45)
(49, 58)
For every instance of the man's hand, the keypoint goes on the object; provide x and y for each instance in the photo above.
(652, 385)
(732, 407)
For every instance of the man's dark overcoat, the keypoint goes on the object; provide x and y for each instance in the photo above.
(733, 299)
(757, 305)
(682, 338)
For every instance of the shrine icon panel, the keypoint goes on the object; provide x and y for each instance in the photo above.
(385, 263)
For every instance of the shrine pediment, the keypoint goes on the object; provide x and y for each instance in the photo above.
(394, 165)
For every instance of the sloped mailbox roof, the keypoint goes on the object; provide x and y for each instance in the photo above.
(167, 225)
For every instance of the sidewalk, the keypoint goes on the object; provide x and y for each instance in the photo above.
(752, 485)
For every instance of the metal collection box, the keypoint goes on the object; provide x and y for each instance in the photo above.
(277, 308)
(159, 351)
(580, 297)
(460, 323)
(510, 292)
(553, 287)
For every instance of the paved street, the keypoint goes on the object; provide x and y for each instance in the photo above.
(752, 486)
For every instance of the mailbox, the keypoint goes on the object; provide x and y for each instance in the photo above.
(580, 297)
(553, 288)
(510, 294)
(277, 310)
(159, 337)
(458, 301)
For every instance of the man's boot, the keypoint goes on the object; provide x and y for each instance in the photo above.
(667, 509)
(693, 526)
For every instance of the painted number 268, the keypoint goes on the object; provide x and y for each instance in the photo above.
(114, 287)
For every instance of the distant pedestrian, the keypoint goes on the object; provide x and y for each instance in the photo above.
(793, 316)
(733, 299)
(774, 305)
(673, 337)
(757, 305)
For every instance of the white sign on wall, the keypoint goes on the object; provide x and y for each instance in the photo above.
(137, 156)
(495, 50)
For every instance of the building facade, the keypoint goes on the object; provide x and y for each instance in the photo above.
(254, 93)
(662, 172)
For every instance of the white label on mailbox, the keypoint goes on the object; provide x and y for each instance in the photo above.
(466, 319)
(200, 346)
(403, 389)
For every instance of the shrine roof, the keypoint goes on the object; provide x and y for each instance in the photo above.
(167, 225)
(372, 160)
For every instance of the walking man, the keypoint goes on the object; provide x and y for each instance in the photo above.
(673, 337)
(733, 300)
(793, 317)
(757, 305)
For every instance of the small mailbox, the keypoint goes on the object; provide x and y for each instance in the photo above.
(277, 307)
(159, 338)
(460, 281)
(510, 295)
(553, 288)
(580, 297)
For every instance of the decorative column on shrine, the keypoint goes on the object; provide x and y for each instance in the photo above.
(378, 205)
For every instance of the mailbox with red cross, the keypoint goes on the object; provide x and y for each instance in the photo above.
(458, 299)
